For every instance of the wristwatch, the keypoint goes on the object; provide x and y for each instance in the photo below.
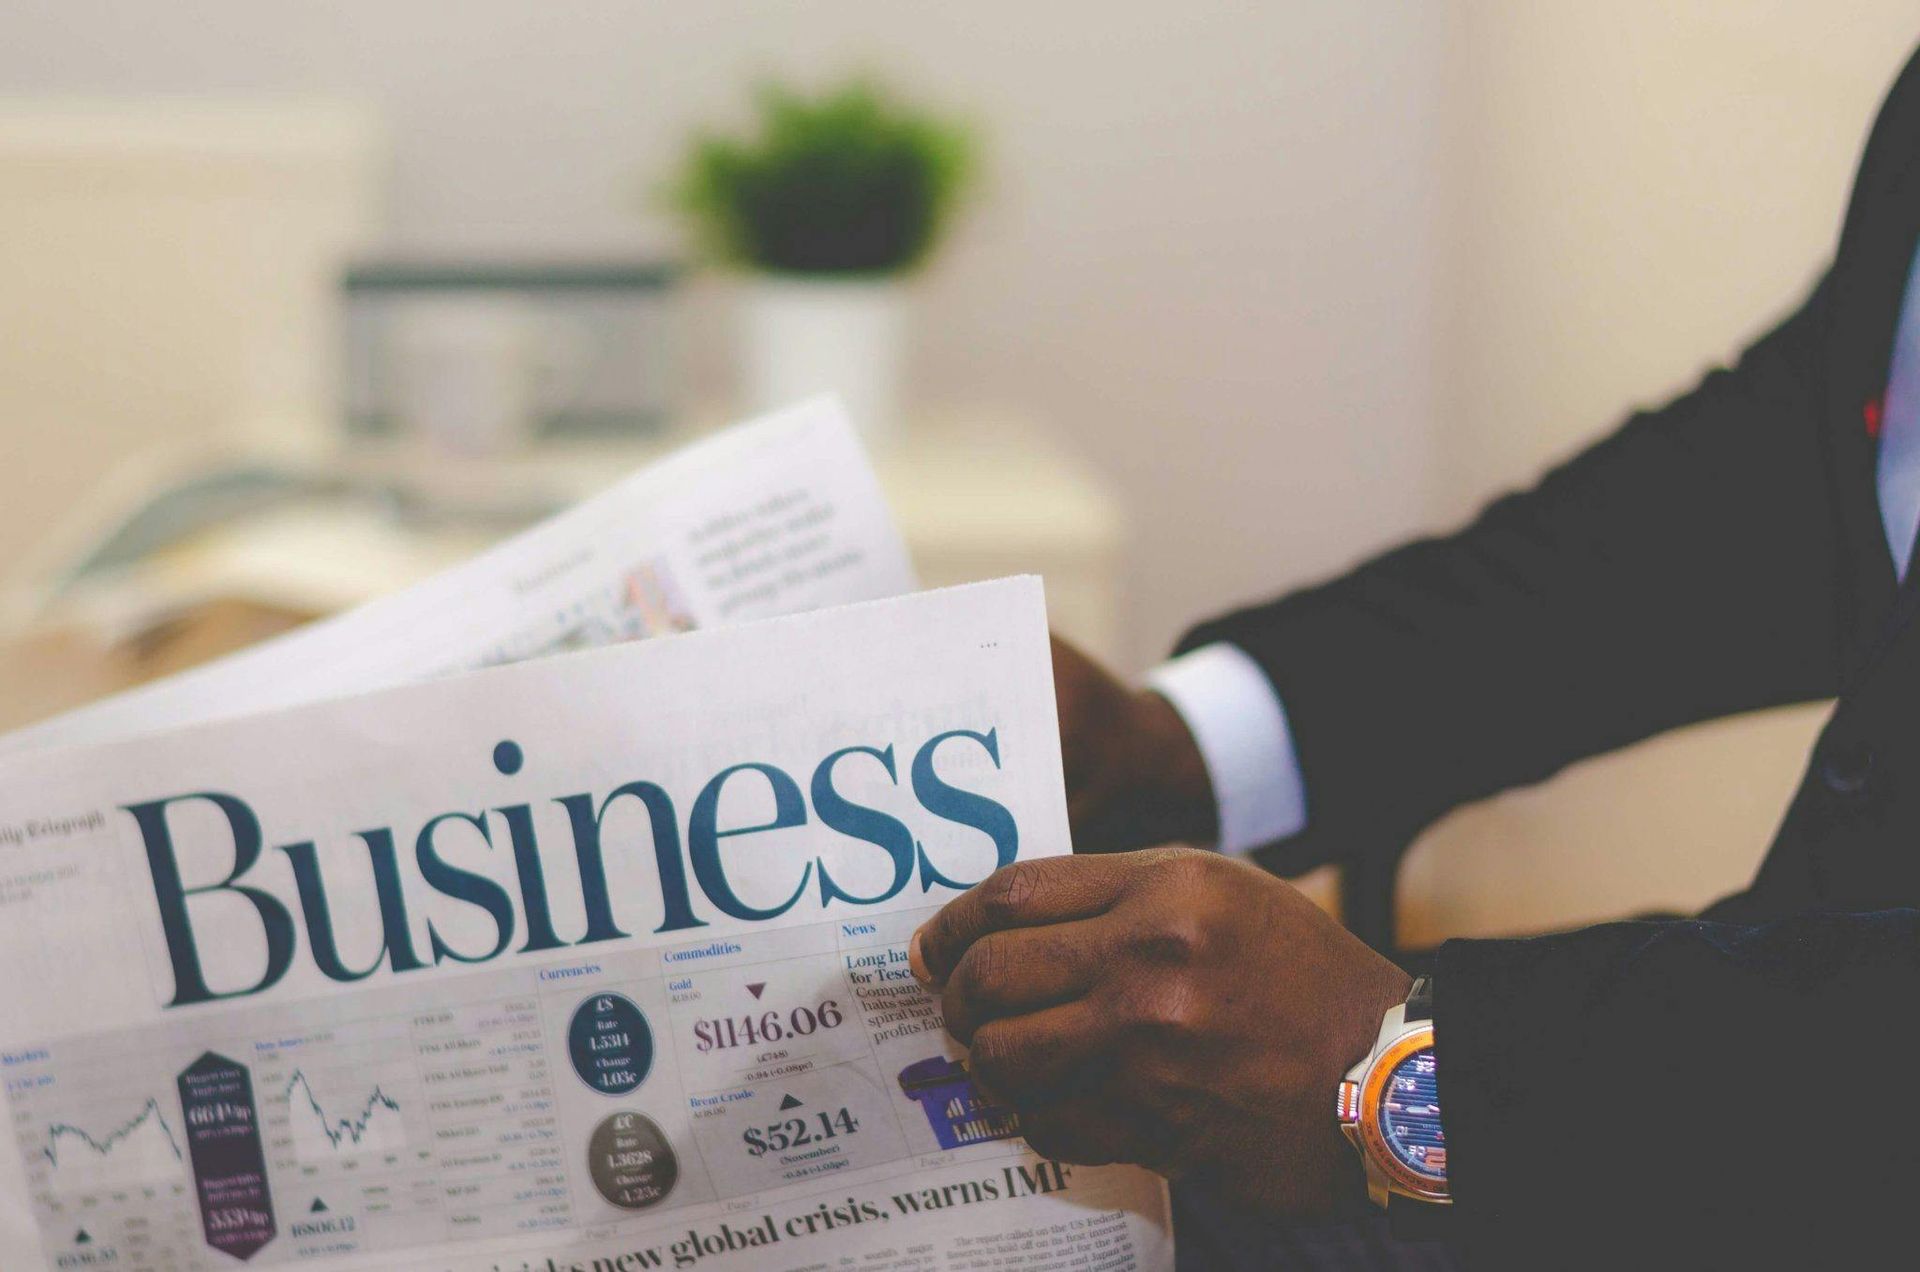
(1389, 1107)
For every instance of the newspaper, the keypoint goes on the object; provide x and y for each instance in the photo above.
(335, 982)
(773, 517)
(591, 962)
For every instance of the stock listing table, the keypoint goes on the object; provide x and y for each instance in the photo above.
(576, 1096)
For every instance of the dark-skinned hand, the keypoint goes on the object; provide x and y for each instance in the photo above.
(1134, 775)
(1171, 1008)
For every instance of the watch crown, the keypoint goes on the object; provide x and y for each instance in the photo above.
(1347, 1102)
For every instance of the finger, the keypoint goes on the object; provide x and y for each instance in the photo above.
(1087, 1132)
(1014, 972)
(1044, 1056)
(1024, 894)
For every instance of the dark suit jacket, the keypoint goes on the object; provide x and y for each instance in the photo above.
(1742, 1087)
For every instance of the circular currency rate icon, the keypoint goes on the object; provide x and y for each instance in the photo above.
(610, 1044)
(632, 1164)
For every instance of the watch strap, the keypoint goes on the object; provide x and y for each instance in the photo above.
(1420, 1000)
(1410, 1218)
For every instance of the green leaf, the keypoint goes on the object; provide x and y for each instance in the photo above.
(846, 182)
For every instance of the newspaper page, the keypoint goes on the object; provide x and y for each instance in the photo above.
(593, 962)
(772, 517)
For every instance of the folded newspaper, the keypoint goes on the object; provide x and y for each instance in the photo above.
(773, 517)
(594, 961)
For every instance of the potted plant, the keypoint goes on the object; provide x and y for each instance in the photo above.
(829, 202)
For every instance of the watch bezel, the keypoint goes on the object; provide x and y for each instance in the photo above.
(1402, 1178)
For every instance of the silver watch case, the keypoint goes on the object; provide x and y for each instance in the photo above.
(1358, 1104)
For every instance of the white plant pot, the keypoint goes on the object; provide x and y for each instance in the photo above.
(804, 336)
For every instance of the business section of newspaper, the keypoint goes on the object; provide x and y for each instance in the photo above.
(244, 1026)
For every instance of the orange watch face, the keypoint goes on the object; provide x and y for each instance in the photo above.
(1400, 1117)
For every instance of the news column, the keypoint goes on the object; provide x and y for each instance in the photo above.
(594, 961)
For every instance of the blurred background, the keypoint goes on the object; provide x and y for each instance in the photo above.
(300, 301)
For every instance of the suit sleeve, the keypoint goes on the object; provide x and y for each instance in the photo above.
(1683, 1094)
(1683, 568)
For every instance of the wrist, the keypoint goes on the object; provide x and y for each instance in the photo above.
(1150, 786)
(1164, 794)
(1358, 1028)
(1386, 989)
(1349, 1043)
(1174, 771)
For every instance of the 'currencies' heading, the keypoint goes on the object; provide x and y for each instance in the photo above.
(681, 901)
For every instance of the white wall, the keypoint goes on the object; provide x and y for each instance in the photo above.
(1634, 190)
(1300, 275)
(1205, 253)
(168, 288)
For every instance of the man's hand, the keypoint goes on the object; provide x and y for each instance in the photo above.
(1172, 1008)
(1134, 775)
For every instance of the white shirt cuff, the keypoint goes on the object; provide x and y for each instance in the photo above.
(1240, 724)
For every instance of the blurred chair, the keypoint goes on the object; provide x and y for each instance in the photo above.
(1667, 826)
(169, 274)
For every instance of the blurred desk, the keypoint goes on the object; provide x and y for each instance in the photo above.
(46, 672)
(980, 496)
(977, 494)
